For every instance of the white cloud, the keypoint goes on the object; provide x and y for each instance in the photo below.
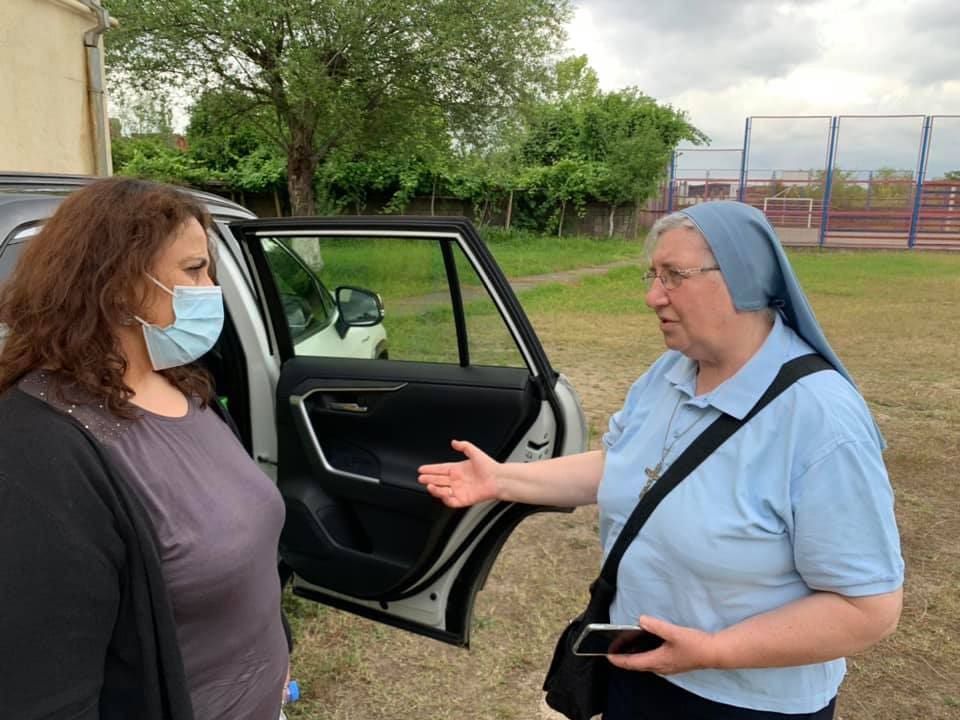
(722, 60)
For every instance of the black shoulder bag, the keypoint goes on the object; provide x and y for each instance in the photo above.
(576, 685)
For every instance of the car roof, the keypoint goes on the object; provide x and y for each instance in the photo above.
(26, 198)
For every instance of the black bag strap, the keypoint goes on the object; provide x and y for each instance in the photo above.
(698, 451)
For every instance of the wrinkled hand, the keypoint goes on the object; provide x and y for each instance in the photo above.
(464, 483)
(684, 649)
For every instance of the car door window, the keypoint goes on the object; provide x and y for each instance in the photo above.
(307, 305)
(416, 286)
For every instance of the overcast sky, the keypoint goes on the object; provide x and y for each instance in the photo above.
(722, 60)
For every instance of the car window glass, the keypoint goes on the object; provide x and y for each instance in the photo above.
(490, 341)
(410, 278)
(9, 254)
(307, 305)
(8, 258)
(16, 242)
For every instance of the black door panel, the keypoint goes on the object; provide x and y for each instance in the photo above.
(359, 523)
(327, 542)
(360, 532)
(404, 428)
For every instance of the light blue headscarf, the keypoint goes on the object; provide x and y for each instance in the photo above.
(758, 273)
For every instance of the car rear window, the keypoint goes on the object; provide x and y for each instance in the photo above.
(10, 252)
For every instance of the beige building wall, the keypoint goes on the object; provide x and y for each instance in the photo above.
(47, 125)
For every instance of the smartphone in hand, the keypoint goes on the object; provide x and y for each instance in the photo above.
(606, 639)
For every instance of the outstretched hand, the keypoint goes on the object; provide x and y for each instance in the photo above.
(464, 483)
(683, 649)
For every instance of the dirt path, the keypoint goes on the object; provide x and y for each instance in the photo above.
(418, 303)
(566, 276)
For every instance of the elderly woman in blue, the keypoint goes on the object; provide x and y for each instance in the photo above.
(779, 554)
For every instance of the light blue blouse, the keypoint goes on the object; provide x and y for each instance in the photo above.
(797, 500)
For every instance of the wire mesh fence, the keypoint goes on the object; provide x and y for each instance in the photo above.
(879, 181)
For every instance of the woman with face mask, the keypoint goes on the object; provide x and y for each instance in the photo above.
(138, 539)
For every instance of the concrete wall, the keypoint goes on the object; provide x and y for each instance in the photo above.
(47, 123)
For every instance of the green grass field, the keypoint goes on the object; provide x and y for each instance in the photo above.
(894, 318)
(403, 269)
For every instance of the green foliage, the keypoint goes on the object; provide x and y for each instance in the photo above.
(885, 188)
(123, 149)
(229, 135)
(221, 149)
(569, 181)
(389, 168)
(520, 253)
(224, 127)
(845, 192)
(891, 188)
(442, 103)
(336, 74)
(263, 169)
(486, 180)
(350, 178)
(572, 79)
(582, 143)
(154, 157)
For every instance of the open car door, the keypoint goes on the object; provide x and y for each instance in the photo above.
(396, 335)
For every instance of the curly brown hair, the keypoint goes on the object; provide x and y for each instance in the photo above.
(80, 277)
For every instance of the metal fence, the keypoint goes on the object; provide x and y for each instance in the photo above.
(807, 174)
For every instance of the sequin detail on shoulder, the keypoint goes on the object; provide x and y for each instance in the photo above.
(92, 413)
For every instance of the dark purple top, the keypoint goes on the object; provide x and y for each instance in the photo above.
(217, 518)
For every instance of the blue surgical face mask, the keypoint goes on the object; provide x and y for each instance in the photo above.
(198, 320)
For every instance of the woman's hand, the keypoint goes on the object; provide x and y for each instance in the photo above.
(464, 483)
(684, 649)
(814, 629)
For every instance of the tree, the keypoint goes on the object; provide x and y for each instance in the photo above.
(572, 79)
(488, 179)
(144, 145)
(890, 188)
(396, 166)
(846, 193)
(225, 127)
(610, 146)
(633, 137)
(225, 134)
(569, 181)
(329, 73)
(155, 158)
(141, 112)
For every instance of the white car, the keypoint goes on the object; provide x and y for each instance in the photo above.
(342, 425)
(321, 324)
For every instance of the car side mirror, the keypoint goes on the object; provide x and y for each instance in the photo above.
(359, 307)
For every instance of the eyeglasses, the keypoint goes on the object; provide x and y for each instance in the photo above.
(671, 278)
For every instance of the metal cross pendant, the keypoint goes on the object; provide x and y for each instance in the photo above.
(653, 474)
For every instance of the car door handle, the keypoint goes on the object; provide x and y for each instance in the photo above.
(350, 407)
(311, 444)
